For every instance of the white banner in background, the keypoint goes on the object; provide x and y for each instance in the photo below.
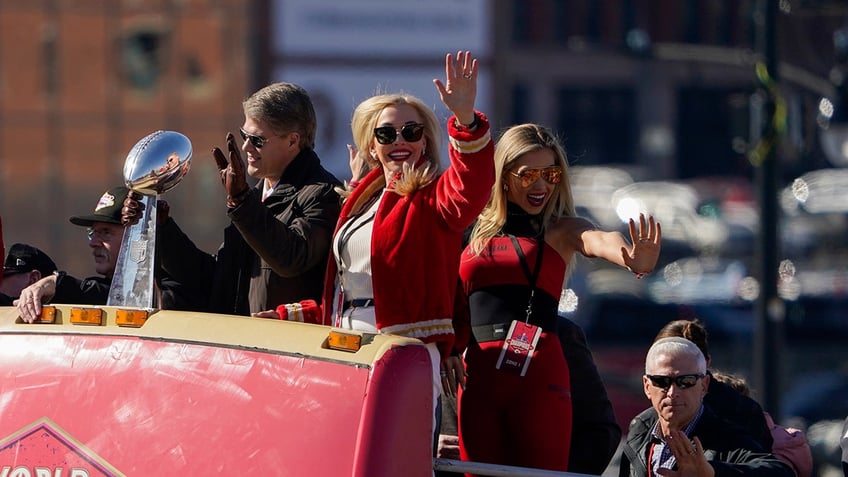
(345, 51)
(366, 27)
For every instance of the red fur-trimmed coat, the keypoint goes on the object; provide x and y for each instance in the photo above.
(417, 240)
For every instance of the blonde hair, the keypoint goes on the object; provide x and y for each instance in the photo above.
(362, 126)
(514, 143)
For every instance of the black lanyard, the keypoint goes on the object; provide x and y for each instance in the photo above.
(531, 277)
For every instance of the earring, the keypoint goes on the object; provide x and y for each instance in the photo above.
(506, 187)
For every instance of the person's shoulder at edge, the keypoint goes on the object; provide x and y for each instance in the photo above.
(315, 172)
(737, 407)
(727, 434)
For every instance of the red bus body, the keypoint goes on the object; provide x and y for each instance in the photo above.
(203, 394)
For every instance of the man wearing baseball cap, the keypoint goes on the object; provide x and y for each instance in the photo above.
(24, 266)
(105, 233)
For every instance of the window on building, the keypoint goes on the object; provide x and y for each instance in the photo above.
(520, 106)
(712, 132)
(143, 57)
(597, 126)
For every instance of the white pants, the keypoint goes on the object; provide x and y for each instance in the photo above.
(363, 319)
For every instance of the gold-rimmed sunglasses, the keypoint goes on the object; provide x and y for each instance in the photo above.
(528, 177)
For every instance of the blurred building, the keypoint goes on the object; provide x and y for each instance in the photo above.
(82, 80)
(660, 86)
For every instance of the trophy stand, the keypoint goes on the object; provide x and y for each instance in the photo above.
(156, 164)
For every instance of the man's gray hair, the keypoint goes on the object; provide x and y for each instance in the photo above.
(675, 346)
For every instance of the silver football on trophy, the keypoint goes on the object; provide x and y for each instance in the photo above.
(157, 162)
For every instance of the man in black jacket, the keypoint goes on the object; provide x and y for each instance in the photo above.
(725, 401)
(679, 435)
(275, 250)
(105, 233)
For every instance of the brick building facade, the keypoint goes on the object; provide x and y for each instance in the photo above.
(81, 81)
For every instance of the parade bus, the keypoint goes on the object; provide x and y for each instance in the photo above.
(110, 391)
(105, 391)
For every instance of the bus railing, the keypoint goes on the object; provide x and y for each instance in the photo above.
(481, 468)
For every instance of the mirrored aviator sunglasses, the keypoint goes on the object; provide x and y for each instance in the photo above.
(409, 133)
(684, 381)
(527, 177)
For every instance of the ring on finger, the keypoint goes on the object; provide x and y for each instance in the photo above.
(467, 76)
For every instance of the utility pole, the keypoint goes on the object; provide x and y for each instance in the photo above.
(770, 309)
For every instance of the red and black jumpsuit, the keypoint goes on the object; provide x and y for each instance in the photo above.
(505, 418)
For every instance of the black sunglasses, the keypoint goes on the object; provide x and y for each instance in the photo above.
(684, 381)
(409, 132)
(257, 141)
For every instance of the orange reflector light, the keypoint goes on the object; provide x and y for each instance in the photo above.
(133, 318)
(48, 315)
(344, 341)
(87, 316)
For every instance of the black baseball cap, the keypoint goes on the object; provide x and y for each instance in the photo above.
(23, 258)
(108, 208)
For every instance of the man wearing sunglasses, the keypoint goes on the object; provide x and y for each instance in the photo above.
(679, 435)
(722, 398)
(275, 249)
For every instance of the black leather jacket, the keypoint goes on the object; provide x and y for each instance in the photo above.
(731, 450)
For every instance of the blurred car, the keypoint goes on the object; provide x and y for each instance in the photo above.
(592, 188)
(817, 192)
(815, 214)
(675, 206)
(817, 397)
(817, 403)
(731, 200)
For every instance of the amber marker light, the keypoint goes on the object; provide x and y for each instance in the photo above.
(344, 341)
(48, 315)
(131, 318)
(86, 316)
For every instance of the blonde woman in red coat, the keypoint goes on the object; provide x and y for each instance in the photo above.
(395, 252)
